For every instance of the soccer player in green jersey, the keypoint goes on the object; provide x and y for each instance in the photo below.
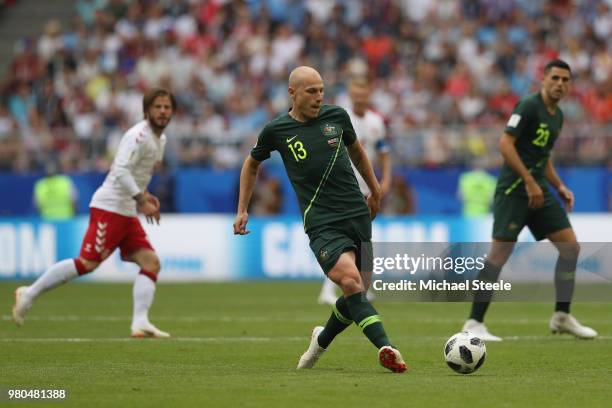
(317, 143)
(522, 199)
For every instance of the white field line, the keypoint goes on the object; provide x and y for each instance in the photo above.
(280, 319)
(252, 339)
(129, 339)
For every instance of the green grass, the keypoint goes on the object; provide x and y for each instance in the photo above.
(237, 345)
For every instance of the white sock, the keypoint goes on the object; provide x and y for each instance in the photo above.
(328, 287)
(56, 275)
(144, 291)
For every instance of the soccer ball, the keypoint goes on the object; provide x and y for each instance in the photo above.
(464, 352)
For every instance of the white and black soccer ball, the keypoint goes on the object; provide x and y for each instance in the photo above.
(465, 352)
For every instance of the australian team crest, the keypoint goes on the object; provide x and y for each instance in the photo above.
(331, 132)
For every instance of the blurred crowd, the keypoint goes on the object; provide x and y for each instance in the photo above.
(446, 73)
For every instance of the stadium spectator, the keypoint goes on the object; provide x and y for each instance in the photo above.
(21, 104)
(26, 66)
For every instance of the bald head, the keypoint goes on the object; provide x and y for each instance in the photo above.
(303, 75)
(306, 93)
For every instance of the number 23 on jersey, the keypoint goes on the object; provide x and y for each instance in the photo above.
(543, 134)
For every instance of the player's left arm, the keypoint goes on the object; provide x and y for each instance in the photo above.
(362, 163)
(553, 178)
(128, 157)
(248, 177)
(384, 155)
(149, 205)
(384, 158)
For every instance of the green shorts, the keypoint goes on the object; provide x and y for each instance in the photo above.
(511, 213)
(330, 241)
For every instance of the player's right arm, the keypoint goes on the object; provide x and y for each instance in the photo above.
(248, 177)
(522, 115)
(511, 156)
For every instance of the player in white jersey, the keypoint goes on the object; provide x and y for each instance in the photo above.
(370, 129)
(113, 221)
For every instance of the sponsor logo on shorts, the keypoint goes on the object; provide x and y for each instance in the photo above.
(323, 254)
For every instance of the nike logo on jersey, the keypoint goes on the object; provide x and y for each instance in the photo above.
(290, 139)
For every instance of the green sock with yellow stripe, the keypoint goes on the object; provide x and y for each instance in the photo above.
(339, 320)
(367, 319)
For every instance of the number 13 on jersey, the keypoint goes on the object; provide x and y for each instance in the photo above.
(297, 149)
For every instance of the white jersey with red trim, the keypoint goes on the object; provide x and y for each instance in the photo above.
(138, 153)
(370, 130)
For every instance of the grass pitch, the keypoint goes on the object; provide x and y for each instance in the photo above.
(237, 345)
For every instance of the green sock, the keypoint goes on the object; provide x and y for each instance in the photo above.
(367, 319)
(565, 272)
(339, 320)
(482, 298)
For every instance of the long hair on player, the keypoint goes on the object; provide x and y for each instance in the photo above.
(151, 94)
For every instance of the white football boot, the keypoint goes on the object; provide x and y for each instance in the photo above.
(310, 356)
(391, 359)
(146, 329)
(23, 303)
(479, 330)
(562, 322)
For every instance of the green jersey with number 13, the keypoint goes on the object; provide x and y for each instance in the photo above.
(317, 163)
